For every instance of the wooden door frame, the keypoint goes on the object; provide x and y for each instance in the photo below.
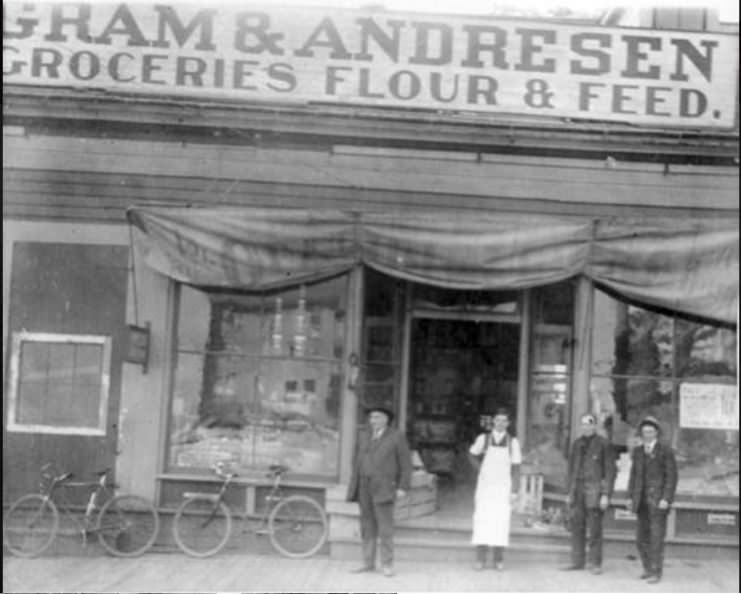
(521, 317)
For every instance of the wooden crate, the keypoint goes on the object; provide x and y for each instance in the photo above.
(344, 516)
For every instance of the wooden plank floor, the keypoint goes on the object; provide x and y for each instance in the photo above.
(249, 572)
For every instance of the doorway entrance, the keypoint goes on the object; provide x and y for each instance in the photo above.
(460, 372)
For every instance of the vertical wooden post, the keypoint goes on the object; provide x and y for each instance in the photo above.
(582, 361)
(250, 499)
(353, 344)
(524, 364)
(169, 362)
(406, 342)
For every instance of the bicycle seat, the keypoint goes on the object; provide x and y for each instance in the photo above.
(101, 472)
(277, 469)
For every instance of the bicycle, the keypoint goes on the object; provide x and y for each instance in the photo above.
(126, 525)
(296, 524)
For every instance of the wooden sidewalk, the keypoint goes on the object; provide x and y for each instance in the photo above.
(160, 572)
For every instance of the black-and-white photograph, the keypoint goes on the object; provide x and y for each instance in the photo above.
(370, 296)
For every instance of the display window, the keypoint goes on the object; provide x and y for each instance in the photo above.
(549, 399)
(683, 372)
(258, 379)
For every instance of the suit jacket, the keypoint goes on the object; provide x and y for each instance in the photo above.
(595, 459)
(660, 475)
(390, 465)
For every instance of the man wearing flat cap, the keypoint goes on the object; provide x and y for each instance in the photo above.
(590, 483)
(651, 488)
(382, 471)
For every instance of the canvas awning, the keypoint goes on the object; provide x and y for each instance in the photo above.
(690, 266)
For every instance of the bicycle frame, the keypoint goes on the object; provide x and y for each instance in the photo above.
(99, 489)
(204, 522)
(272, 499)
(126, 525)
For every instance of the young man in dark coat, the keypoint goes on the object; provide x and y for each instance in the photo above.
(382, 469)
(651, 488)
(590, 483)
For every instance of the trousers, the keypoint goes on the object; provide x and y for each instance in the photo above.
(586, 532)
(376, 523)
(497, 552)
(650, 534)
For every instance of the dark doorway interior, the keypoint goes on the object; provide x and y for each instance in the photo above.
(461, 371)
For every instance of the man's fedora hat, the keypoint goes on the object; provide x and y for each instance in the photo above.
(382, 409)
(650, 420)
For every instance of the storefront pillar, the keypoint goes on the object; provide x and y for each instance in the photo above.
(353, 345)
(145, 397)
(584, 307)
(524, 364)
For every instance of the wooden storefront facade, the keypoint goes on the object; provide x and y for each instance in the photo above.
(75, 161)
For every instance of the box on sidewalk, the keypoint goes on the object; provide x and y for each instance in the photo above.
(343, 515)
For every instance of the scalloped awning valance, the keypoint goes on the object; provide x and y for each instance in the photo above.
(686, 265)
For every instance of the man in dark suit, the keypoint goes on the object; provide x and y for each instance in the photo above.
(651, 488)
(382, 471)
(590, 483)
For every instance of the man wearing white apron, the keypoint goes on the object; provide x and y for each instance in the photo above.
(497, 456)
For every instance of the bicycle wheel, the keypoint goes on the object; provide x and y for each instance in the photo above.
(297, 527)
(30, 525)
(202, 527)
(127, 525)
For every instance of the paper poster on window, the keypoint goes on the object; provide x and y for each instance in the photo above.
(708, 406)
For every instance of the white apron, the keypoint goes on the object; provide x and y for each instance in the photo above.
(491, 512)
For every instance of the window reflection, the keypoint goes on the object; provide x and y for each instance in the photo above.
(640, 359)
(258, 379)
(629, 340)
(704, 350)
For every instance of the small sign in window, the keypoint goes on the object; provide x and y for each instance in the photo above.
(715, 519)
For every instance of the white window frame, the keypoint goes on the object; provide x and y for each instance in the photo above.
(15, 375)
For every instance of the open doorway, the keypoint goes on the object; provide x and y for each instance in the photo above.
(460, 372)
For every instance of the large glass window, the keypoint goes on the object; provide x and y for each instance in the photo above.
(684, 373)
(258, 379)
(382, 331)
(550, 379)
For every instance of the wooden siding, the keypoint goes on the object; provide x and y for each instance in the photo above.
(66, 288)
(102, 113)
(82, 178)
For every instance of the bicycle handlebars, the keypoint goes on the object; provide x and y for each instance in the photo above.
(50, 472)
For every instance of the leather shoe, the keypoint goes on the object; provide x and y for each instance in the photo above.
(363, 569)
(654, 579)
(388, 571)
(572, 568)
(645, 575)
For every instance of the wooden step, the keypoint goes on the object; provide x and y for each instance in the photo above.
(455, 545)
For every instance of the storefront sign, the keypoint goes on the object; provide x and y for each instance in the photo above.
(137, 345)
(708, 406)
(369, 57)
(721, 519)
